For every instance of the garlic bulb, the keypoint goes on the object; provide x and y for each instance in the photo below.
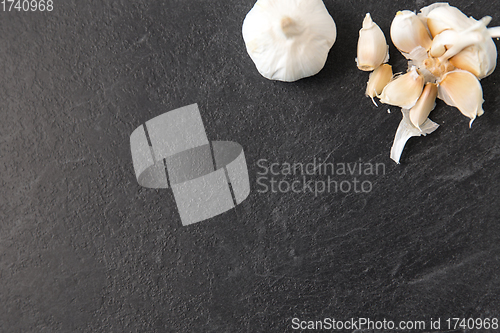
(446, 64)
(372, 47)
(288, 40)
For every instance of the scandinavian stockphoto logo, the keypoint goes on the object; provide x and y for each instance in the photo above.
(172, 151)
(317, 176)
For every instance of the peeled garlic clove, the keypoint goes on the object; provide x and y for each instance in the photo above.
(405, 131)
(288, 40)
(462, 90)
(378, 80)
(372, 46)
(408, 32)
(425, 104)
(404, 90)
(442, 16)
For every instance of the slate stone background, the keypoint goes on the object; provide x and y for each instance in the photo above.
(83, 248)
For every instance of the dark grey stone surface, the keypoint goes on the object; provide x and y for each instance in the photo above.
(83, 248)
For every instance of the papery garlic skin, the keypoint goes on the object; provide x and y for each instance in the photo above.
(288, 39)
(405, 131)
(425, 104)
(462, 90)
(408, 32)
(404, 90)
(372, 46)
(377, 81)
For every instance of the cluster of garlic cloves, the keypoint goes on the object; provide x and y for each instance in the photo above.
(448, 53)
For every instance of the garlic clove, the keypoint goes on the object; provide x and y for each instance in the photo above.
(468, 60)
(425, 104)
(288, 40)
(405, 131)
(424, 11)
(378, 80)
(372, 46)
(408, 32)
(462, 90)
(403, 90)
(479, 59)
(442, 16)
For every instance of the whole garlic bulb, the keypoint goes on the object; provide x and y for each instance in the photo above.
(289, 39)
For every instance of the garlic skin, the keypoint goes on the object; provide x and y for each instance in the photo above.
(408, 32)
(405, 131)
(372, 46)
(377, 81)
(462, 89)
(288, 39)
(404, 90)
(425, 104)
